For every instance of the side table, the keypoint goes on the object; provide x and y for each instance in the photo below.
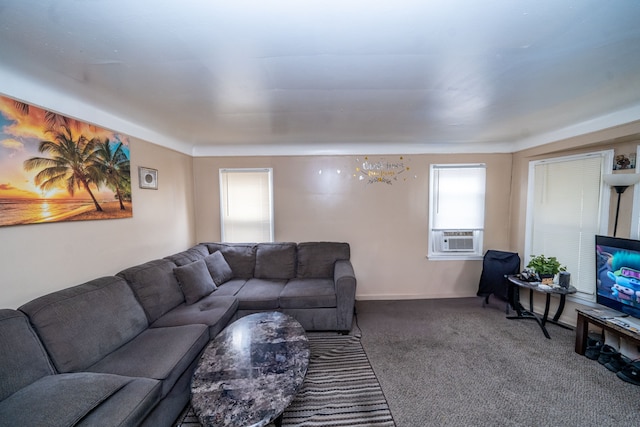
(515, 284)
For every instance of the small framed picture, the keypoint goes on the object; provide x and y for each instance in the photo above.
(148, 178)
(624, 161)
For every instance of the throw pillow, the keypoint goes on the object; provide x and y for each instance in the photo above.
(218, 267)
(241, 257)
(195, 280)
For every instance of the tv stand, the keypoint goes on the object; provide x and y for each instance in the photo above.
(604, 319)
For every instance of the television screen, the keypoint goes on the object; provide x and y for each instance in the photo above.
(618, 274)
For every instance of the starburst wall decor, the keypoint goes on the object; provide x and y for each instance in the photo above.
(383, 170)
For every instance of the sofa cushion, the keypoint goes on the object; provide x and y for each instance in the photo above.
(23, 360)
(190, 255)
(213, 310)
(275, 261)
(308, 293)
(317, 259)
(65, 399)
(230, 288)
(128, 407)
(218, 267)
(82, 324)
(240, 256)
(159, 353)
(155, 286)
(195, 281)
(260, 294)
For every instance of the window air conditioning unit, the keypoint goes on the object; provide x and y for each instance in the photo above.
(457, 241)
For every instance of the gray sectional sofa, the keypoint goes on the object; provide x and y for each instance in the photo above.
(120, 350)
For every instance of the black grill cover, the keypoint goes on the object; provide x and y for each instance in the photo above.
(495, 265)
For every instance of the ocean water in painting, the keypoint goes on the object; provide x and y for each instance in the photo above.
(28, 211)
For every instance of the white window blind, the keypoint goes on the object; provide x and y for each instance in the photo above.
(566, 210)
(459, 192)
(246, 205)
(456, 221)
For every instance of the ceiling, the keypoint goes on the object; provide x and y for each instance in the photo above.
(240, 77)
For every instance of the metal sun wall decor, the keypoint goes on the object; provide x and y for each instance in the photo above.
(54, 168)
(382, 170)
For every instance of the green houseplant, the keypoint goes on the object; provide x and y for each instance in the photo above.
(545, 267)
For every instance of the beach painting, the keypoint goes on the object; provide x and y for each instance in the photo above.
(54, 168)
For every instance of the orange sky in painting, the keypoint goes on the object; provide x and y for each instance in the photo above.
(19, 138)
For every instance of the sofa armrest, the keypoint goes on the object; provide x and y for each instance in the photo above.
(345, 283)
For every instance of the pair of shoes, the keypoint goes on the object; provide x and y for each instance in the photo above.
(593, 349)
(617, 362)
(630, 373)
(606, 353)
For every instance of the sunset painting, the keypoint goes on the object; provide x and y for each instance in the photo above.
(54, 168)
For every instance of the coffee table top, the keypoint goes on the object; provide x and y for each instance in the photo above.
(251, 371)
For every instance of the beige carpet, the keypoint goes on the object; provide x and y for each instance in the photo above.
(450, 362)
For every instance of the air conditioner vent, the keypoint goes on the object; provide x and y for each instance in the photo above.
(457, 241)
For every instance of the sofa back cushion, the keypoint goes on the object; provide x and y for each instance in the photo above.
(155, 286)
(316, 260)
(190, 255)
(81, 325)
(241, 257)
(275, 261)
(23, 360)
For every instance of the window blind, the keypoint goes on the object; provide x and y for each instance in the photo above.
(566, 213)
(246, 205)
(458, 197)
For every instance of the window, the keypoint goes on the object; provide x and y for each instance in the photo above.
(246, 205)
(456, 200)
(567, 206)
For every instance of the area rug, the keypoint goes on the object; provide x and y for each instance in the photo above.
(340, 388)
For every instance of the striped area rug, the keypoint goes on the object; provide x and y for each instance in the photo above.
(340, 388)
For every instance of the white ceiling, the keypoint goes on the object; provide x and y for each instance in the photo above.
(328, 76)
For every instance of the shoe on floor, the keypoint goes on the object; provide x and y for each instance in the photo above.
(593, 349)
(617, 362)
(630, 373)
(606, 353)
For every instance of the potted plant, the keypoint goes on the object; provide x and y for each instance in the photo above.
(546, 268)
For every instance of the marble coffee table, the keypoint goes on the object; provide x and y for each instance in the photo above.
(250, 372)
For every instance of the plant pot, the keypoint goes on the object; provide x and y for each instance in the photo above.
(546, 279)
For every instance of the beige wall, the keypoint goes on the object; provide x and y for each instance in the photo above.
(40, 258)
(621, 139)
(386, 225)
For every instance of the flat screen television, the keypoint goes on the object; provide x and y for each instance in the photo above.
(618, 274)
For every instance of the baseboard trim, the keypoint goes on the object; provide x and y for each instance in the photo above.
(378, 297)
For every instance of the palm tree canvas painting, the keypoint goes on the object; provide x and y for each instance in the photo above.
(54, 168)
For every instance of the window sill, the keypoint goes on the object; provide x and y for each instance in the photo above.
(453, 257)
(587, 300)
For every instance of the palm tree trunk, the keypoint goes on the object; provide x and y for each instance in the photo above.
(119, 197)
(95, 202)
